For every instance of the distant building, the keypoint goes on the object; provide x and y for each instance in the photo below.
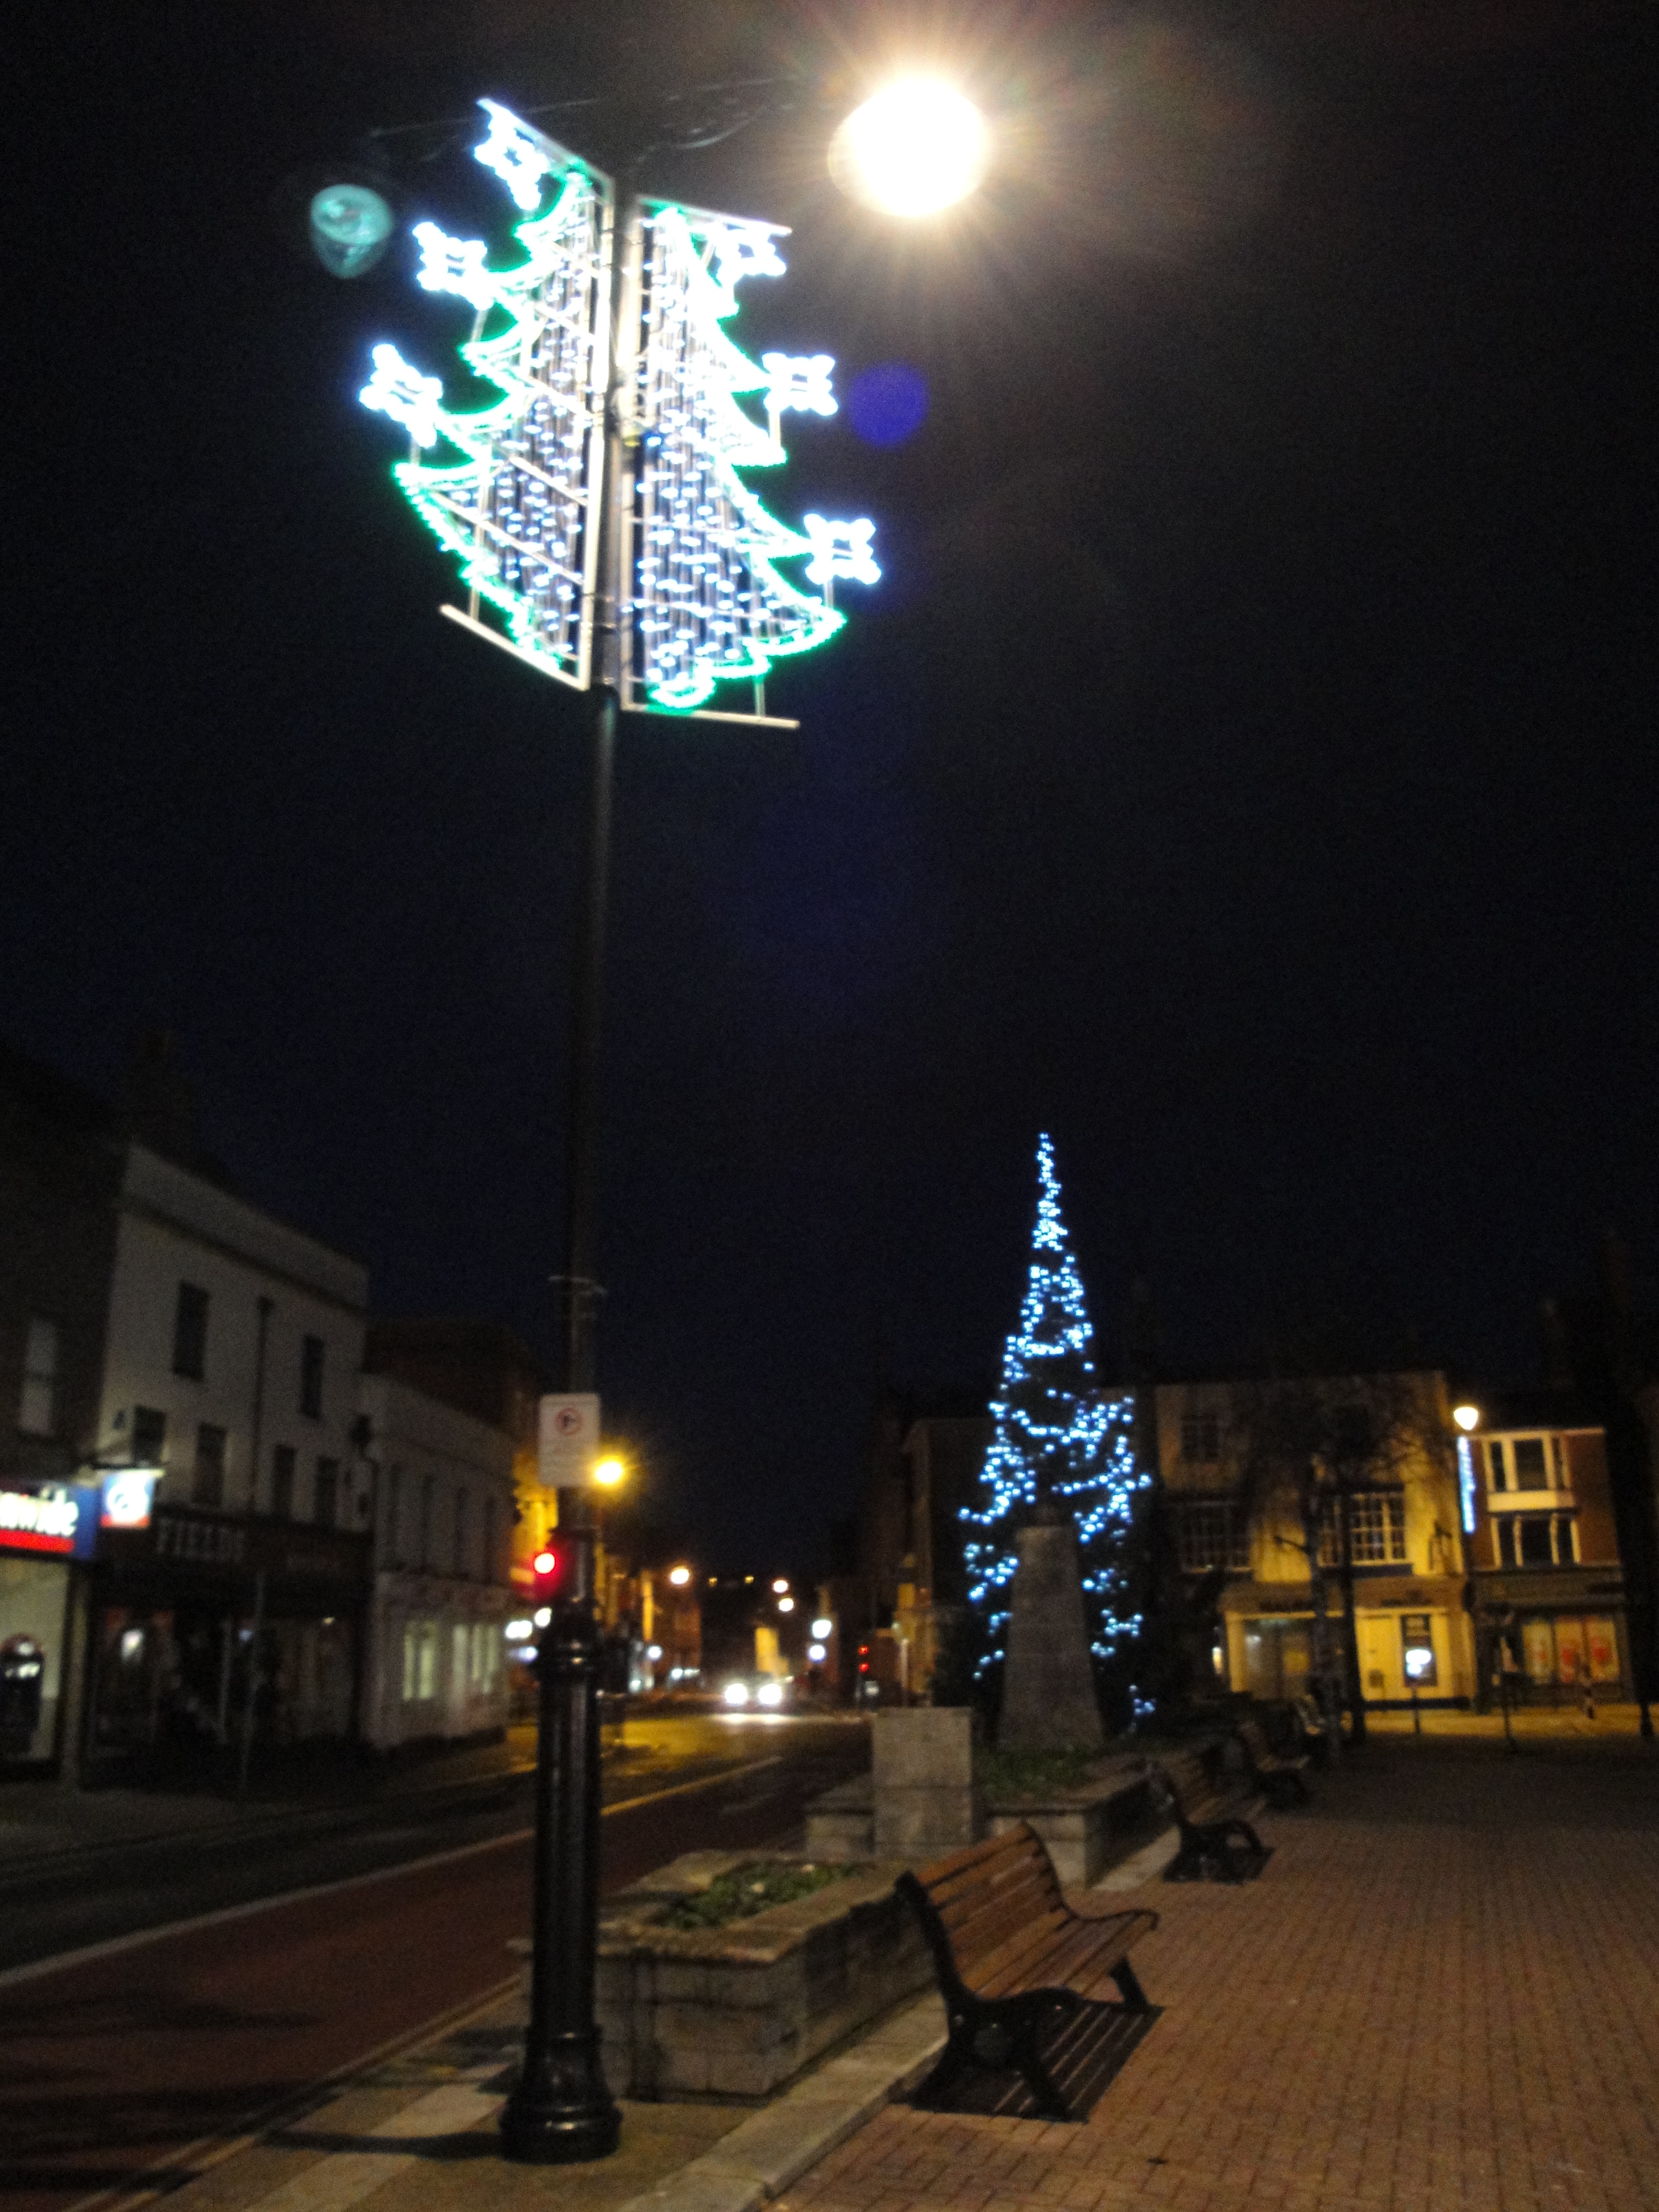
(1230, 1493)
(1548, 1588)
(443, 1488)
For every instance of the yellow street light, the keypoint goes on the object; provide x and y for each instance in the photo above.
(780, 1587)
(679, 1577)
(918, 146)
(1466, 1417)
(608, 1472)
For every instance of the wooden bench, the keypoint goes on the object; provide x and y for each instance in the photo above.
(1012, 1958)
(1277, 1776)
(1217, 1843)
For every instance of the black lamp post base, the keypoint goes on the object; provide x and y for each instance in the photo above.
(565, 2117)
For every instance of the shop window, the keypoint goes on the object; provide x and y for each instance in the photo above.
(1376, 1529)
(281, 1481)
(207, 1485)
(38, 1414)
(1538, 1640)
(420, 1661)
(1417, 1650)
(328, 1493)
(311, 1377)
(149, 1436)
(1201, 1436)
(1602, 1639)
(459, 1684)
(189, 1327)
(1210, 1533)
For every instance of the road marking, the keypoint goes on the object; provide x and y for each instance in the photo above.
(176, 2167)
(63, 1962)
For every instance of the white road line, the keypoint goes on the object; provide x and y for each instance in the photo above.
(63, 1962)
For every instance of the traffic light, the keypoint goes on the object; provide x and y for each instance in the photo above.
(553, 1578)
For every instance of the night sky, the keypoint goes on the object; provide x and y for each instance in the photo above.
(1244, 769)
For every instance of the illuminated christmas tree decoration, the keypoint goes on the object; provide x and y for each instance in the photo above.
(839, 549)
(695, 566)
(708, 604)
(397, 390)
(514, 499)
(520, 157)
(1051, 1419)
(801, 382)
(454, 265)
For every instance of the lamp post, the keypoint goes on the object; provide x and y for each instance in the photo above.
(598, 511)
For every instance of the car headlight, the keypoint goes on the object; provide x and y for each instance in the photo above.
(736, 1693)
(769, 1693)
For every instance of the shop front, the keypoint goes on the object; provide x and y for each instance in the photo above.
(214, 1630)
(1414, 1645)
(45, 1529)
(1549, 1640)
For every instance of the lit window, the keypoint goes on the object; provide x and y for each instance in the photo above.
(37, 1416)
(1210, 1533)
(1201, 1436)
(1377, 1530)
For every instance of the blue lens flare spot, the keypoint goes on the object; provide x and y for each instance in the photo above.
(887, 403)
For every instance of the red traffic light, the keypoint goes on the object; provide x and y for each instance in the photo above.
(546, 1563)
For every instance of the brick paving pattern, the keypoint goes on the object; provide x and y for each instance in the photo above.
(1443, 1996)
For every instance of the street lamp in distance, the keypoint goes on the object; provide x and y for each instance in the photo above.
(1468, 1418)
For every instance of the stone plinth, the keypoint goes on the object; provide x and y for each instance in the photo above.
(921, 1768)
(1048, 1701)
(735, 2012)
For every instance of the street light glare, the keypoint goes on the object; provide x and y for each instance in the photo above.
(915, 147)
(679, 1577)
(608, 1473)
(1466, 1417)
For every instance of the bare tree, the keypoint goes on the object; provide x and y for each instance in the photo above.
(1307, 1447)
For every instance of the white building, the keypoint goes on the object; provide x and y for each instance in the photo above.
(443, 1537)
(232, 1361)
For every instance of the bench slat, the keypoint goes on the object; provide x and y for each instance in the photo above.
(1097, 1946)
(1012, 1866)
(992, 1925)
(1023, 1880)
(947, 1871)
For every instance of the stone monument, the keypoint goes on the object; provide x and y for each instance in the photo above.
(1048, 1701)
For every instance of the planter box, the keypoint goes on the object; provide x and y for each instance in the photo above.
(1086, 1830)
(736, 2012)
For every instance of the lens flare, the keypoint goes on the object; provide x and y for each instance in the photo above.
(915, 147)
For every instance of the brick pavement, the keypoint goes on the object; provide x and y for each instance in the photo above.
(1443, 1996)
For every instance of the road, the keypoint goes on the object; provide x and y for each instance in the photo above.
(172, 2036)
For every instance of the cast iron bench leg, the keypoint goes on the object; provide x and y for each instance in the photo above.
(1129, 1987)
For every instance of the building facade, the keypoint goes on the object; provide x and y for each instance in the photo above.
(1549, 1604)
(443, 1484)
(231, 1352)
(1261, 1527)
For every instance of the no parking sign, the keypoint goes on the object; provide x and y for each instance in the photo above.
(567, 1439)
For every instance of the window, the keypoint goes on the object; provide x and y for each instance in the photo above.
(149, 1436)
(460, 1637)
(420, 1661)
(311, 1377)
(1536, 1539)
(1495, 1460)
(1417, 1650)
(460, 1561)
(1530, 1470)
(207, 1485)
(281, 1481)
(1376, 1529)
(190, 1321)
(1210, 1533)
(1200, 1435)
(328, 1493)
(38, 1415)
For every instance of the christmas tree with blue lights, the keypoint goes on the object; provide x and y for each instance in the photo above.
(1060, 1440)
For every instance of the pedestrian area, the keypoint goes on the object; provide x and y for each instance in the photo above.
(1441, 1996)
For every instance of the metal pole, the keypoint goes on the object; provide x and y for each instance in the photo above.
(561, 2112)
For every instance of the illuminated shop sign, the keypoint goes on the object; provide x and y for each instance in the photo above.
(128, 1494)
(47, 1521)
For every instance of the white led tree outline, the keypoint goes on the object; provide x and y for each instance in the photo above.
(1050, 1419)
(699, 599)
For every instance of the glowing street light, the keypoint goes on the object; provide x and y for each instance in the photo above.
(785, 1605)
(1466, 1417)
(917, 147)
(781, 1587)
(679, 1577)
(609, 1472)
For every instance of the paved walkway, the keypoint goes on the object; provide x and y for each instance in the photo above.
(1441, 1996)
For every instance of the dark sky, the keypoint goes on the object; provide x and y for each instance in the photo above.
(1245, 769)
